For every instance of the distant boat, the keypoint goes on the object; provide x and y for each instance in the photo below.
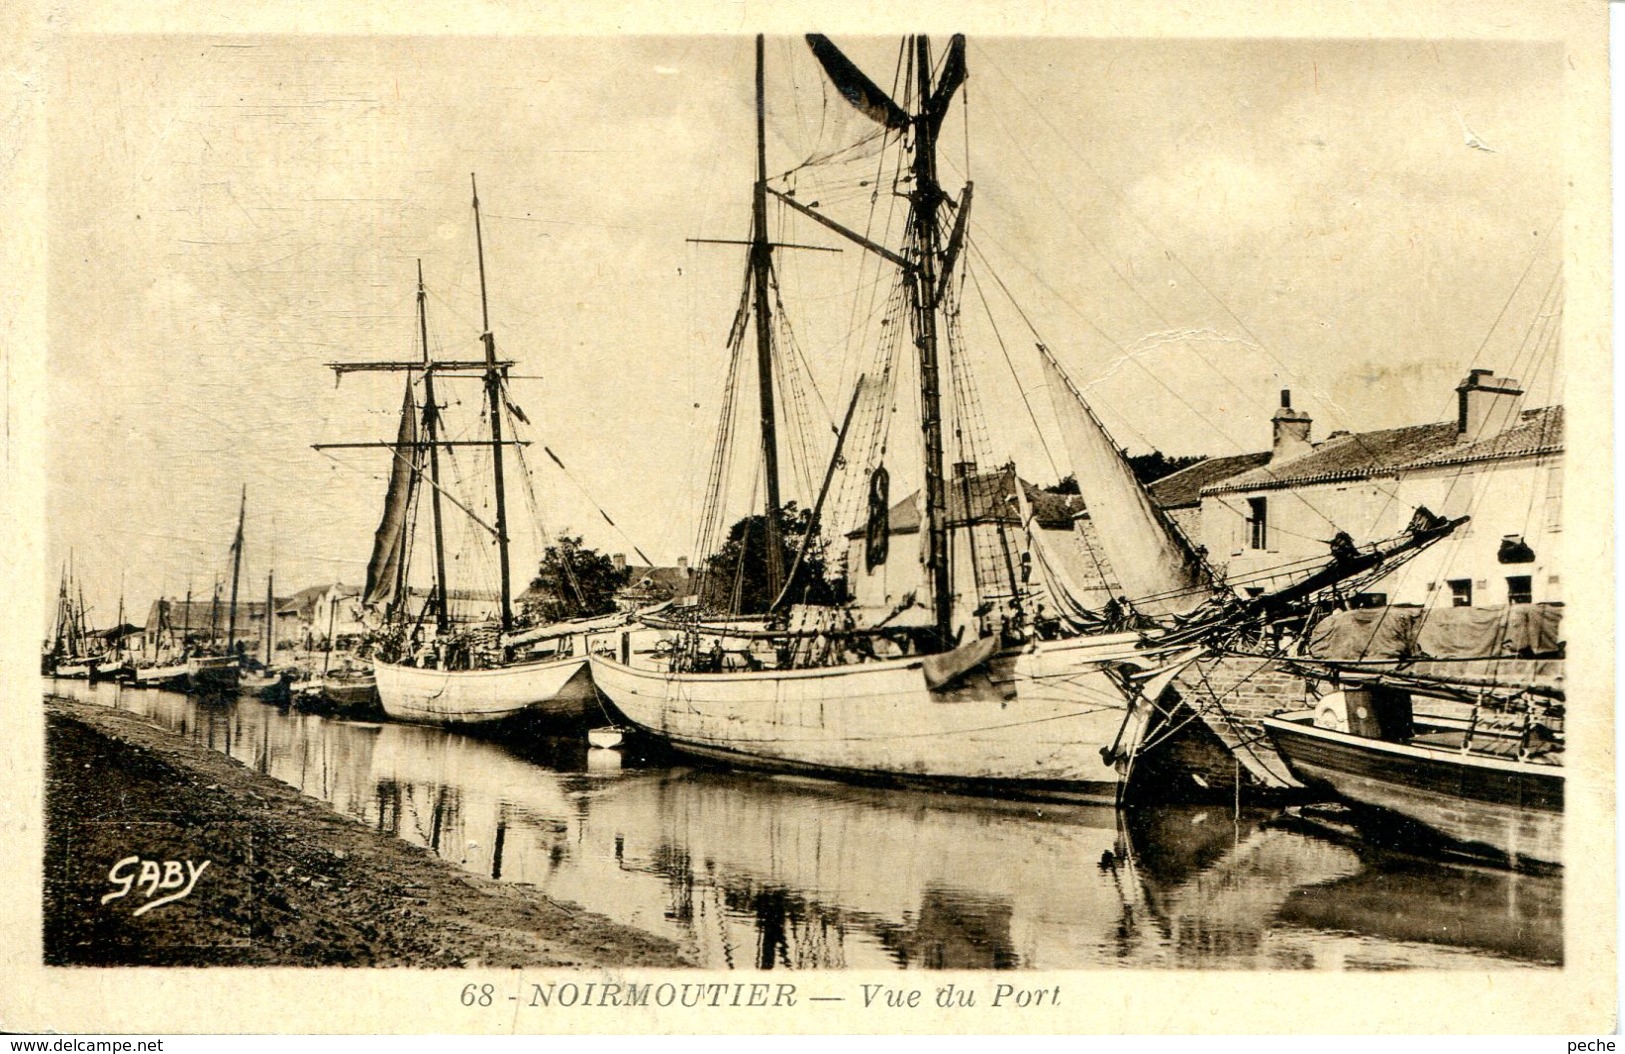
(74, 652)
(432, 671)
(215, 673)
(163, 674)
(1488, 778)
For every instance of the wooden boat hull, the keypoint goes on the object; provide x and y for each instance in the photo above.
(558, 690)
(214, 674)
(1032, 724)
(161, 676)
(351, 694)
(1513, 808)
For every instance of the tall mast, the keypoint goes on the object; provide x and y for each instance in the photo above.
(493, 389)
(761, 265)
(236, 572)
(214, 616)
(431, 428)
(270, 619)
(186, 617)
(64, 616)
(926, 197)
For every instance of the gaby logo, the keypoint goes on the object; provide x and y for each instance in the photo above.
(147, 878)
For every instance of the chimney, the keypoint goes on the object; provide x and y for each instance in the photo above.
(1486, 405)
(1291, 431)
(682, 565)
(619, 560)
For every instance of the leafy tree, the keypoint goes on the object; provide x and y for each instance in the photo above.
(742, 561)
(573, 582)
(1148, 468)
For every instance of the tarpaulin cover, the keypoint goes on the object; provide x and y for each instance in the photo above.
(1521, 630)
(1369, 633)
(1528, 630)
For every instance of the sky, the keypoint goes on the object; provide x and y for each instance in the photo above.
(1190, 225)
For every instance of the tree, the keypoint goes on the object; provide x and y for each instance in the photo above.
(572, 582)
(1148, 468)
(742, 562)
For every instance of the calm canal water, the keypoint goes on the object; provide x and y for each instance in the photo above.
(766, 872)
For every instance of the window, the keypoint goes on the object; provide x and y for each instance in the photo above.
(1554, 498)
(1520, 589)
(1258, 524)
(1461, 592)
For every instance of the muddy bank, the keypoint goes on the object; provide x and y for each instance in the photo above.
(160, 851)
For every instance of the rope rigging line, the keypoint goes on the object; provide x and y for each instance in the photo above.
(998, 280)
(1129, 211)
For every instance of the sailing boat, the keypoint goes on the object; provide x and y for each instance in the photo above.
(1010, 696)
(214, 672)
(433, 672)
(259, 677)
(73, 652)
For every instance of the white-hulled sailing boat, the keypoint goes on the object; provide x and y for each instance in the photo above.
(1026, 693)
(74, 651)
(426, 669)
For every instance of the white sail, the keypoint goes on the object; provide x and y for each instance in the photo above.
(1158, 572)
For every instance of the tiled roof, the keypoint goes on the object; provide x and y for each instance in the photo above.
(1185, 487)
(303, 603)
(1384, 452)
(677, 581)
(197, 615)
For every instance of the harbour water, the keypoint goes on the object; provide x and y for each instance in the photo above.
(750, 871)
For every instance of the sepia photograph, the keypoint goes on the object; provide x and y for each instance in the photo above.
(690, 526)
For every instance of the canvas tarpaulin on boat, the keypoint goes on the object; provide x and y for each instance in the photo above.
(389, 542)
(1370, 633)
(1518, 631)
(1527, 630)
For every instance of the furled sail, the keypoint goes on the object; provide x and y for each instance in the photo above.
(389, 542)
(855, 87)
(1157, 570)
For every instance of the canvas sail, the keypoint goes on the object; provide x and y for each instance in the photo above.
(1157, 571)
(389, 542)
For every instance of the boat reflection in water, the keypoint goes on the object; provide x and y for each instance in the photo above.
(774, 872)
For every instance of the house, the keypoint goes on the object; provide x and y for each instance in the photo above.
(984, 520)
(311, 614)
(1497, 462)
(647, 585)
(203, 621)
(1179, 494)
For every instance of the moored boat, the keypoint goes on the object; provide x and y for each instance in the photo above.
(556, 689)
(211, 674)
(162, 674)
(1486, 783)
(431, 670)
(1028, 723)
(995, 674)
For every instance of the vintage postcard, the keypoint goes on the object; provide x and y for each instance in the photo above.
(699, 519)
